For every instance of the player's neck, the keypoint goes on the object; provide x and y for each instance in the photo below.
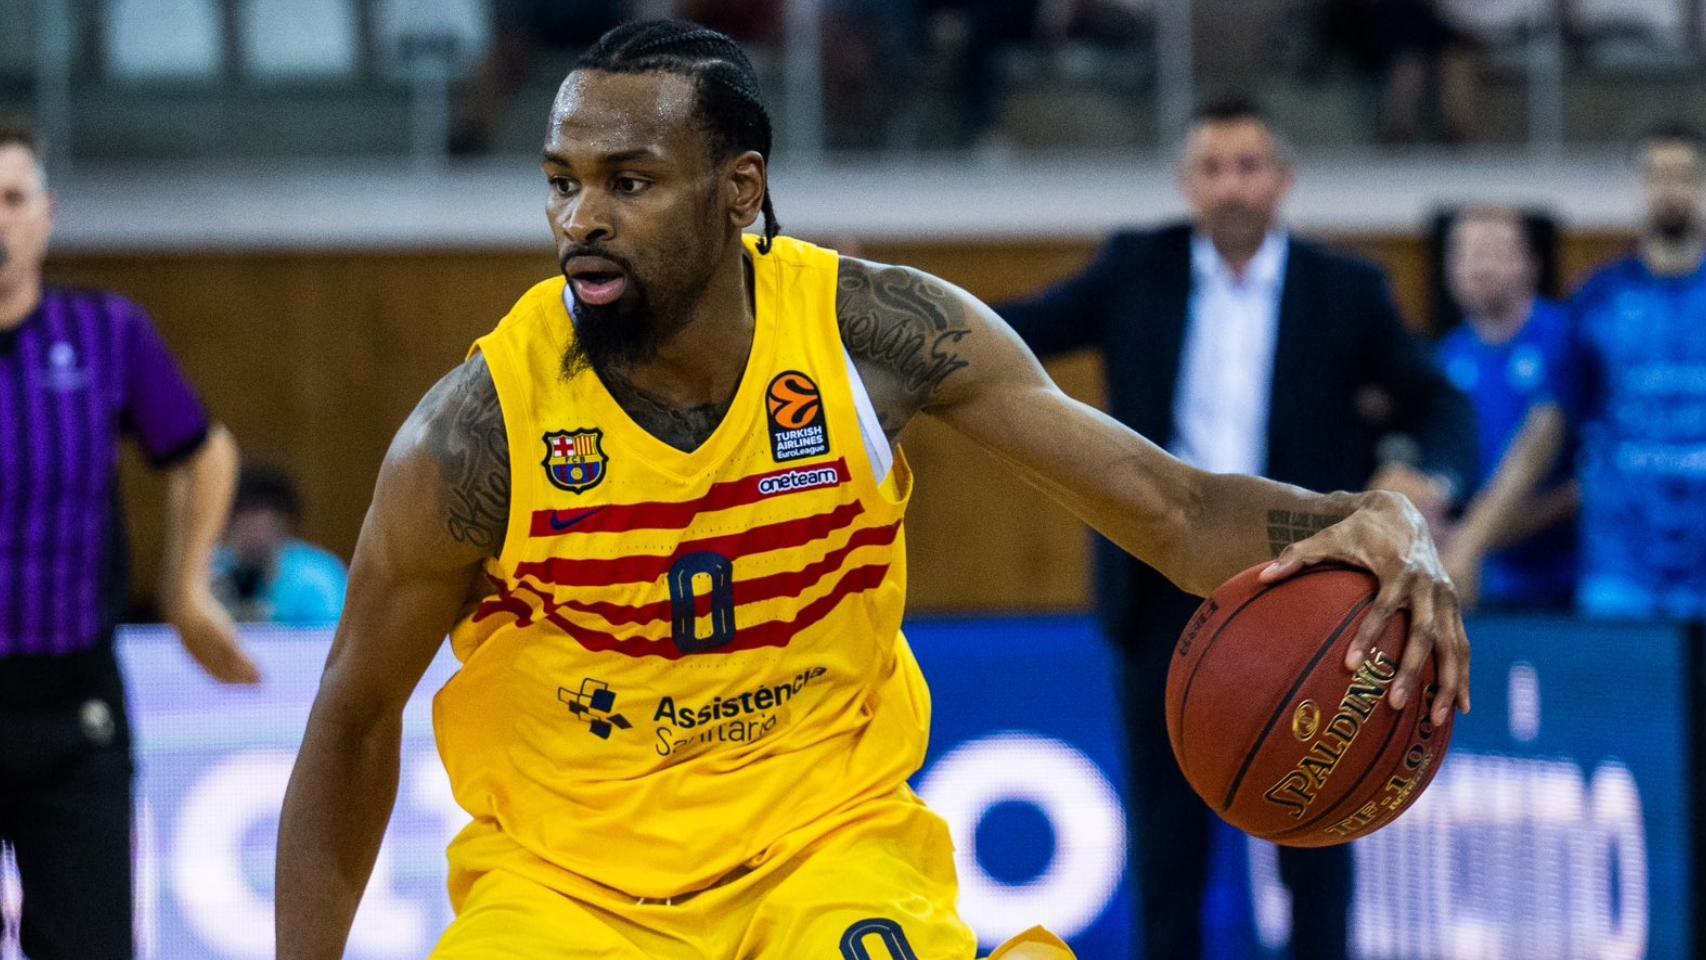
(1667, 257)
(18, 301)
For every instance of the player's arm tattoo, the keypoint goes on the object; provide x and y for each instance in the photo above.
(684, 429)
(468, 439)
(1286, 527)
(904, 330)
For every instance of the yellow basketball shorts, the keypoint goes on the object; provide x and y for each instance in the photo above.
(879, 886)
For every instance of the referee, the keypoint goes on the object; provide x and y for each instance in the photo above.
(77, 370)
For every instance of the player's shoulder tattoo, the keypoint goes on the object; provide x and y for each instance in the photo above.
(904, 330)
(466, 436)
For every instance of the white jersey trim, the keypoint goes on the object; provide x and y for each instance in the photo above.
(878, 453)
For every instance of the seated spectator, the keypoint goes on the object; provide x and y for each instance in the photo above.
(752, 22)
(868, 71)
(261, 572)
(1409, 43)
(981, 33)
(1510, 347)
(520, 29)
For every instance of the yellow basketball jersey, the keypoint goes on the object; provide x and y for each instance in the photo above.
(688, 655)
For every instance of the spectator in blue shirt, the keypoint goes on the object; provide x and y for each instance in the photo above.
(1635, 387)
(262, 572)
(1504, 357)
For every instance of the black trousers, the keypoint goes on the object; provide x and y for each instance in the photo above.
(1172, 829)
(65, 803)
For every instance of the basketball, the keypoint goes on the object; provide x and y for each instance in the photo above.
(1275, 734)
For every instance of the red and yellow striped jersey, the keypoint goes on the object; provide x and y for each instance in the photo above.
(687, 655)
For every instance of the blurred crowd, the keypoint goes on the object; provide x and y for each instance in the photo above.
(870, 65)
(1418, 63)
(894, 75)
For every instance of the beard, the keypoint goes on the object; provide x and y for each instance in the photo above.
(1675, 225)
(1238, 227)
(609, 335)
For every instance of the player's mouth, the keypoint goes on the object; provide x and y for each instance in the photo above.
(596, 281)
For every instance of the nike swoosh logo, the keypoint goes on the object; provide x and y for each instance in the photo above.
(559, 525)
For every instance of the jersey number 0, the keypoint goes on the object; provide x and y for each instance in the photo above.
(691, 577)
(855, 943)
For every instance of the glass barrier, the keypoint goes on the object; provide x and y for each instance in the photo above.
(233, 80)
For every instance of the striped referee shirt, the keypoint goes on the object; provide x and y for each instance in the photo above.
(80, 372)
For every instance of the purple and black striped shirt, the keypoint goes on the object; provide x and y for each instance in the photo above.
(81, 371)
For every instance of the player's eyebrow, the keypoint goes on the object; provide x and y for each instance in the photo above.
(615, 158)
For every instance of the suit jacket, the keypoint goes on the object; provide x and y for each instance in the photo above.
(1340, 343)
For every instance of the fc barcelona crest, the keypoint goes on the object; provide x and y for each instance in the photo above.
(574, 460)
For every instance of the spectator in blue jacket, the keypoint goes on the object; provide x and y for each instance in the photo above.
(1635, 388)
(262, 572)
(1505, 356)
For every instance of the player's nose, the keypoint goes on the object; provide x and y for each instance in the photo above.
(586, 219)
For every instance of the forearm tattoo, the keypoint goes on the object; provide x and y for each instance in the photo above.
(472, 448)
(1286, 527)
(684, 430)
(903, 329)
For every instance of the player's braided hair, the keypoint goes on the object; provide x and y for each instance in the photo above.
(729, 108)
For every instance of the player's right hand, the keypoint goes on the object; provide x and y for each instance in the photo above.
(1387, 536)
(210, 636)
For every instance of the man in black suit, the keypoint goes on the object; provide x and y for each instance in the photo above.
(1242, 349)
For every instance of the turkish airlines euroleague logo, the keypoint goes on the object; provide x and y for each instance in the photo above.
(797, 429)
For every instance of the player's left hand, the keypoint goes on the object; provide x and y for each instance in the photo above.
(210, 636)
(1388, 536)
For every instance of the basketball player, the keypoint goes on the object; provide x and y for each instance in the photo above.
(659, 509)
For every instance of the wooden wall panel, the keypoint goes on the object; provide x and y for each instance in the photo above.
(978, 537)
(313, 359)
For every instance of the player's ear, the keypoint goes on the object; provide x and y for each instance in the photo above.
(744, 184)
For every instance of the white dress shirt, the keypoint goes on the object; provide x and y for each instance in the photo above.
(1220, 407)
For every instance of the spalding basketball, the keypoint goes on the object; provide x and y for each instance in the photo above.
(1275, 734)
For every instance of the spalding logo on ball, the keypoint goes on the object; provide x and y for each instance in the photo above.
(1274, 733)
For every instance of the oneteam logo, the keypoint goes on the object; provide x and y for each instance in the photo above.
(802, 479)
